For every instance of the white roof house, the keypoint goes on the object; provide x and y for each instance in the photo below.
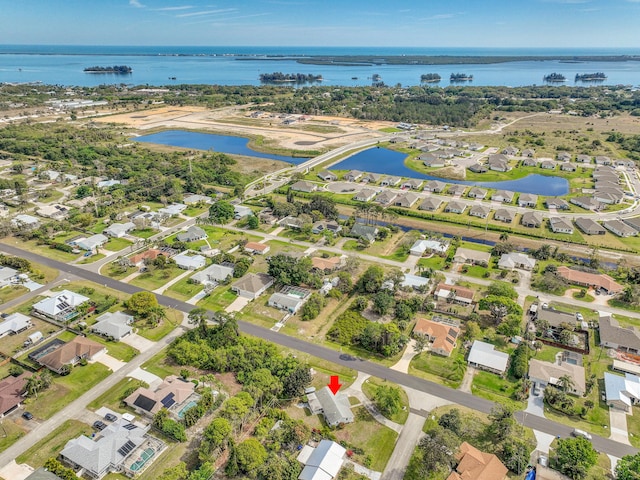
(336, 409)
(414, 281)
(241, 211)
(113, 325)
(194, 198)
(213, 274)
(119, 230)
(622, 392)
(61, 306)
(92, 242)
(7, 275)
(14, 323)
(421, 246)
(23, 220)
(516, 260)
(108, 183)
(189, 262)
(323, 462)
(484, 355)
(173, 209)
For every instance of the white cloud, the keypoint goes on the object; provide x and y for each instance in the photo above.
(440, 16)
(206, 12)
(173, 9)
(136, 3)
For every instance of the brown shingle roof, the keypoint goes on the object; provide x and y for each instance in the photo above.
(444, 335)
(476, 465)
(595, 279)
(325, 263)
(79, 347)
(11, 390)
(612, 333)
(150, 254)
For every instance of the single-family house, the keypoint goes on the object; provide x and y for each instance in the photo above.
(385, 197)
(118, 448)
(528, 200)
(366, 232)
(608, 195)
(568, 167)
(412, 184)
(92, 243)
(352, 175)
(328, 176)
(454, 293)
(430, 204)
(529, 162)
(557, 203)
(619, 228)
(12, 392)
(441, 337)
(509, 261)
(478, 168)
(213, 275)
(529, 152)
(621, 392)
(371, 178)
(548, 165)
(406, 200)
(304, 186)
(560, 225)
(240, 211)
(108, 183)
(195, 199)
(291, 221)
(432, 161)
(479, 211)
(435, 186)
(603, 160)
(416, 282)
(590, 227)
(365, 195)
(390, 181)
(193, 234)
(289, 298)
(474, 464)
(60, 306)
(188, 261)
(54, 212)
(633, 222)
(58, 356)
(510, 151)
(612, 335)
(474, 257)
(114, 325)
(498, 163)
(547, 373)
(25, 222)
(503, 196)
(172, 210)
(477, 192)
(455, 207)
(14, 323)
(326, 264)
(119, 230)
(322, 462)
(563, 156)
(586, 279)
(8, 276)
(252, 285)
(504, 215)
(326, 226)
(456, 190)
(173, 394)
(420, 247)
(531, 219)
(484, 356)
(556, 318)
(581, 158)
(147, 256)
(336, 409)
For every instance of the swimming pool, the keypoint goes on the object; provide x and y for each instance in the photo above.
(189, 405)
(144, 458)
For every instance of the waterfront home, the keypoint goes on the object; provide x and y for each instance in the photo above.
(365, 195)
(474, 257)
(253, 285)
(509, 261)
(608, 195)
(589, 227)
(430, 204)
(588, 203)
(510, 151)
(568, 167)
(529, 152)
(435, 186)
(479, 211)
(529, 162)
(371, 178)
(560, 225)
(504, 215)
(385, 197)
(441, 338)
(432, 246)
(406, 200)
(583, 158)
(326, 226)
(484, 356)
(390, 181)
(432, 161)
(619, 228)
(477, 192)
(456, 190)
(557, 203)
(503, 196)
(586, 279)
(366, 232)
(479, 168)
(327, 176)
(304, 186)
(531, 219)
(548, 164)
(455, 207)
(528, 200)
(412, 184)
(352, 175)
(498, 163)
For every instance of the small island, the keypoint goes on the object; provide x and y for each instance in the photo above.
(376, 77)
(554, 77)
(430, 78)
(117, 69)
(590, 77)
(279, 77)
(460, 77)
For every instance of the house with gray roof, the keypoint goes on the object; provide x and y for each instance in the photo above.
(568, 167)
(336, 409)
(588, 203)
(512, 260)
(14, 323)
(188, 261)
(529, 162)
(406, 200)
(61, 306)
(484, 356)
(172, 210)
(612, 335)
(252, 285)
(479, 211)
(556, 318)
(430, 204)
(365, 195)
(608, 195)
(531, 219)
(371, 178)
(456, 189)
(504, 215)
(560, 225)
(498, 163)
(412, 183)
(583, 158)
(195, 198)
(619, 228)
(590, 227)
(328, 176)
(633, 222)
(114, 325)
(510, 151)
(366, 232)
(385, 197)
(557, 203)
(390, 181)
(119, 230)
(455, 207)
(432, 161)
(25, 221)
(478, 168)
(213, 274)
(289, 299)
(529, 152)
(91, 243)
(304, 186)
(603, 160)
(474, 257)
(352, 175)
(563, 156)
(548, 165)
(477, 192)
(528, 200)
(435, 186)
(504, 196)
(193, 234)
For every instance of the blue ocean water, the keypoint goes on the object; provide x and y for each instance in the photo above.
(389, 162)
(159, 65)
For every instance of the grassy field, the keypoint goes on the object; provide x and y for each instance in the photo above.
(10, 292)
(112, 398)
(51, 445)
(44, 250)
(183, 289)
(115, 271)
(161, 365)
(219, 299)
(11, 433)
(172, 319)
(447, 371)
(117, 244)
(144, 233)
(156, 278)
(492, 387)
(371, 385)
(118, 350)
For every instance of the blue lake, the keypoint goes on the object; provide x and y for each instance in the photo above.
(209, 141)
(389, 162)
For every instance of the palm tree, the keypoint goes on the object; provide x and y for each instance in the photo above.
(504, 236)
(566, 383)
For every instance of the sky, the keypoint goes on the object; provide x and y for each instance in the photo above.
(417, 23)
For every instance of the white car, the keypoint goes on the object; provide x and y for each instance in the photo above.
(579, 317)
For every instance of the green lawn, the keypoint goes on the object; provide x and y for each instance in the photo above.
(633, 427)
(172, 320)
(219, 299)
(44, 250)
(51, 445)
(435, 262)
(161, 366)
(183, 289)
(495, 388)
(144, 232)
(371, 385)
(117, 244)
(118, 350)
(117, 272)
(12, 291)
(66, 389)
(112, 398)
(156, 278)
(93, 258)
(476, 271)
(11, 432)
(447, 371)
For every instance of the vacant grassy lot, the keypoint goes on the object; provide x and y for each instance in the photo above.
(117, 244)
(44, 250)
(117, 272)
(219, 299)
(11, 433)
(172, 319)
(112, 398)
(492, 387)
(161, 365)
(51, 445)
(10, 292)
(445, 371)
(183, 289)
(156, 278)
(371, 386)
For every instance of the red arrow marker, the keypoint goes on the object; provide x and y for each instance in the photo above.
(335, 384)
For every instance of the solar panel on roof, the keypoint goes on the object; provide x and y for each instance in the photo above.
(450, 340)
(453, 332)
(168, 400)
(129, 426)
(126, 448)
(145, 403)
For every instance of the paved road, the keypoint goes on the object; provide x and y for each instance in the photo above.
(407, 441)
(461, 398)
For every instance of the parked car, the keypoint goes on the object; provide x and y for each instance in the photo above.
(98, 425)
(27, 415)
(110, 417)
(581, 434)
(579, 317)
(88, 254)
